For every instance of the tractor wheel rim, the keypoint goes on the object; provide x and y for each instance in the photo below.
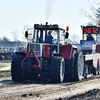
(62, 69)
(61, 73)
(80, 67)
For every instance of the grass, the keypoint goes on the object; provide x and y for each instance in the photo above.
(2, 66)
(5, 61)
(7, 70)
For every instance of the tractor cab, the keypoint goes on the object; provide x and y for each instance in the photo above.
(47, 36)
(88, 44)
(41, 32)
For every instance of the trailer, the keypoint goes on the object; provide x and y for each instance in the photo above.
(91, 50)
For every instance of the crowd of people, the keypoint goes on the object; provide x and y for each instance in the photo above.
(7, 54)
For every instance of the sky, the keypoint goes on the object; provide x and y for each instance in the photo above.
(15, 14)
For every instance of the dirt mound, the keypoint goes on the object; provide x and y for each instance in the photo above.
(90, 95)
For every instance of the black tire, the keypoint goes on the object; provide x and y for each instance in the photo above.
(57, 69)
(78, 66)
(85, 72)
(69, 68)
(31, 76)
(16, 70)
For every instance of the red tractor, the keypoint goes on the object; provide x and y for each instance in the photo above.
(46, 59)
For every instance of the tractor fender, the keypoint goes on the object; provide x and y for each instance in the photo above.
(67, 51)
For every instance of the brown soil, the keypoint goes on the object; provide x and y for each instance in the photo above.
(5, 74)
(44, 90)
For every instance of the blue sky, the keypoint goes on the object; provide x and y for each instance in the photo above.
(14, 14)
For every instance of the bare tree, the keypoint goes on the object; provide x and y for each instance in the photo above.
(75, 39)
(26, 28)
(92, 13)
(15, 35)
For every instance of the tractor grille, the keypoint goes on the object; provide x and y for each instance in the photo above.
(35, 46)
(37, 49)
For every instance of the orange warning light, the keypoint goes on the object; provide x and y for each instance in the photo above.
(67, 28)
(98, 23)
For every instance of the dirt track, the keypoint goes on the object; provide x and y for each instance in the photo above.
(45, 90)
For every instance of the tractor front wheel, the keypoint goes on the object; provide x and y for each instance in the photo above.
(57, 69)
(16, 70)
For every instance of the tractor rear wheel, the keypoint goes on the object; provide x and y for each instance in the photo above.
(57, 69)
(78, 66)
(69, 68)
(16, 70)
(31, 76)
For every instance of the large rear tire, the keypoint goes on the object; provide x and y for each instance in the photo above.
(16, 70)
(78, 66)
(31, 76)
(69, 68)
(57, 69)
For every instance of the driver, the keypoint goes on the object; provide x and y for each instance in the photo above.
(49, 38)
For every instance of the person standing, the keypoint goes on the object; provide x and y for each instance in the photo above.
(90, 38)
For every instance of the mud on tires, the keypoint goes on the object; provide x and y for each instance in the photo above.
(16, 70)
(57, 69)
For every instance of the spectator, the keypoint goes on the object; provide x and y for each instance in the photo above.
(90, 38)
